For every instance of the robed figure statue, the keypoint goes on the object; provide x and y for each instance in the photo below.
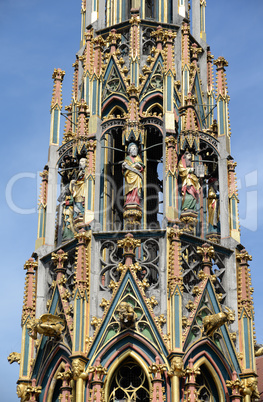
(132, 169)
(190, 184)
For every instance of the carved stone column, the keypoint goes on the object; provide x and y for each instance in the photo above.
(79, 375)
(236, 386)
(98, 372)
(59, 258)
(157, 370)
(175, 373)
(207, 252)
(250, 390)
(28, 392)
(129, 244)
(66, 389)
(190, 387)
(245, 303)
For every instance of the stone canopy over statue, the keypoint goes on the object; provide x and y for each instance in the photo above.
(133, 173)
(190, 183)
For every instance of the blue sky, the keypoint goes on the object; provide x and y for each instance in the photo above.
(36, 37)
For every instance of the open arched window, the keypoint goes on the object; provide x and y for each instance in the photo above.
(129, 383)
(207, 388)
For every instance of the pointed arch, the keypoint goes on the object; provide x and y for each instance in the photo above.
(117, 363)
(206, 353)
(53, 382)
(214, 380)
(54, 363)
(117, 111)
(114, 101)
(155, 109)
(150, 100)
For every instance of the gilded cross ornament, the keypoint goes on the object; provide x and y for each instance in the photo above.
(31, 265)
(82, 236)
(195, 51)
(44, 174)
(207, 252)
(221, 62)
(174, 233)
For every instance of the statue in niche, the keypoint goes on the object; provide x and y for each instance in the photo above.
(68, 227)
(67, 171)
(77, 190)
(190, 183)
(132, 169)
(213, 205)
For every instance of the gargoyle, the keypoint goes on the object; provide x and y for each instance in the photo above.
(48, 325)
(14, 357)
(259, 351)
(126, 315)
(212, 322)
